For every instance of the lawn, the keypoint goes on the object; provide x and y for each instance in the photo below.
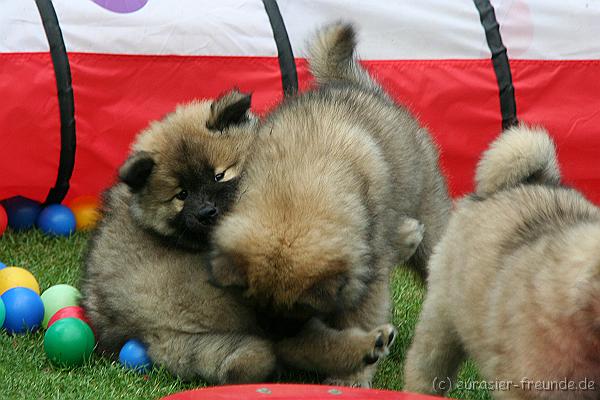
(26, 373)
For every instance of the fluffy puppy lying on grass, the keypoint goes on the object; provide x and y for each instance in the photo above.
(333, 196)
(144, 275)
(515, 281)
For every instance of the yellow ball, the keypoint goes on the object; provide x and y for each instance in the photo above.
(86, 212)
(11, 277)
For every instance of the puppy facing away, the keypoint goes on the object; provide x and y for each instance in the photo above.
(333, 195)
(145, 274)
(515, 281)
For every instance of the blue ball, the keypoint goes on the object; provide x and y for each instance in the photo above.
(24, 310)
(133, 355)
(2, 265)
(22, 212)
(56, 220)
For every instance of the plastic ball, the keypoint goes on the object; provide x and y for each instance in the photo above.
(69, 342)
(57, 297)
(133, 355)
(2, 312)
(56, 220)
(3, 220)
(22, 212)
(24, 310)
(11, 277)
(69, 312)
(2, 265)
(86, 210)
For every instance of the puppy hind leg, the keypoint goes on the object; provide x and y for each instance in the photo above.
(411, 233)
(362, 378)
(436, 352)
(330, 351)
(219, 358)
(434, 214)
(373, 311)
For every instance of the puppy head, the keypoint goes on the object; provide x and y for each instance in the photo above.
(184, 170)
(295, 265)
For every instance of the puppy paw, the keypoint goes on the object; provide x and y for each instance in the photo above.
(383, 337)
(411, 233)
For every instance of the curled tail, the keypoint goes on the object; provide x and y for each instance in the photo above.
(331, 56)
(520, 155)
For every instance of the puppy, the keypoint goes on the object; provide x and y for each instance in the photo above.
(145, 273)
(333, 196)
(144, 276)
(515, 281)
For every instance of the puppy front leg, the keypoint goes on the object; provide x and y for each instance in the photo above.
(330, 351)
(219, 358)
(436, 352)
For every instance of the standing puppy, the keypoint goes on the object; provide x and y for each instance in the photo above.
(332, 198)
(515, 281)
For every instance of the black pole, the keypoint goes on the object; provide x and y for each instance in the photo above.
(287, 65)
(66, 104)
(508, 106)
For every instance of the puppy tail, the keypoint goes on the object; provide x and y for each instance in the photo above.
(331, 56)
(520, 155)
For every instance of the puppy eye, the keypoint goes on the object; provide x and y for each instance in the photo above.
(182, 195)
(219, 176)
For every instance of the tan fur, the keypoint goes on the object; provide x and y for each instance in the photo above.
(515, 281)
(334, 190)
(189, 123)
(331, 351)
(141, 283)
(164, 140)
(137, 285)
(521, 154)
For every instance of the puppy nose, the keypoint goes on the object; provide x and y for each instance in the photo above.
(207, 212)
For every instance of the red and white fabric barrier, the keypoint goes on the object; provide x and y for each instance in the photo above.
(132, 61)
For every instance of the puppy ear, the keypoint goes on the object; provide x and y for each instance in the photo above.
(225, 271)
(136, 170)
(229, 109)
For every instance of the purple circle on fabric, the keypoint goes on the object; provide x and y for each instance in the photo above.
(121, 6)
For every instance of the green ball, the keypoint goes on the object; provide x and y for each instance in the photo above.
(69, 342)
(57, 297)
(2, 313)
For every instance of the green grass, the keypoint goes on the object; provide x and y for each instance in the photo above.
(26, 373)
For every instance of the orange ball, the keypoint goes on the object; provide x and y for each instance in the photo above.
(86, 210)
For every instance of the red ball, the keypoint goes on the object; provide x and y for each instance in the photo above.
(3, 220)
(69, 312)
